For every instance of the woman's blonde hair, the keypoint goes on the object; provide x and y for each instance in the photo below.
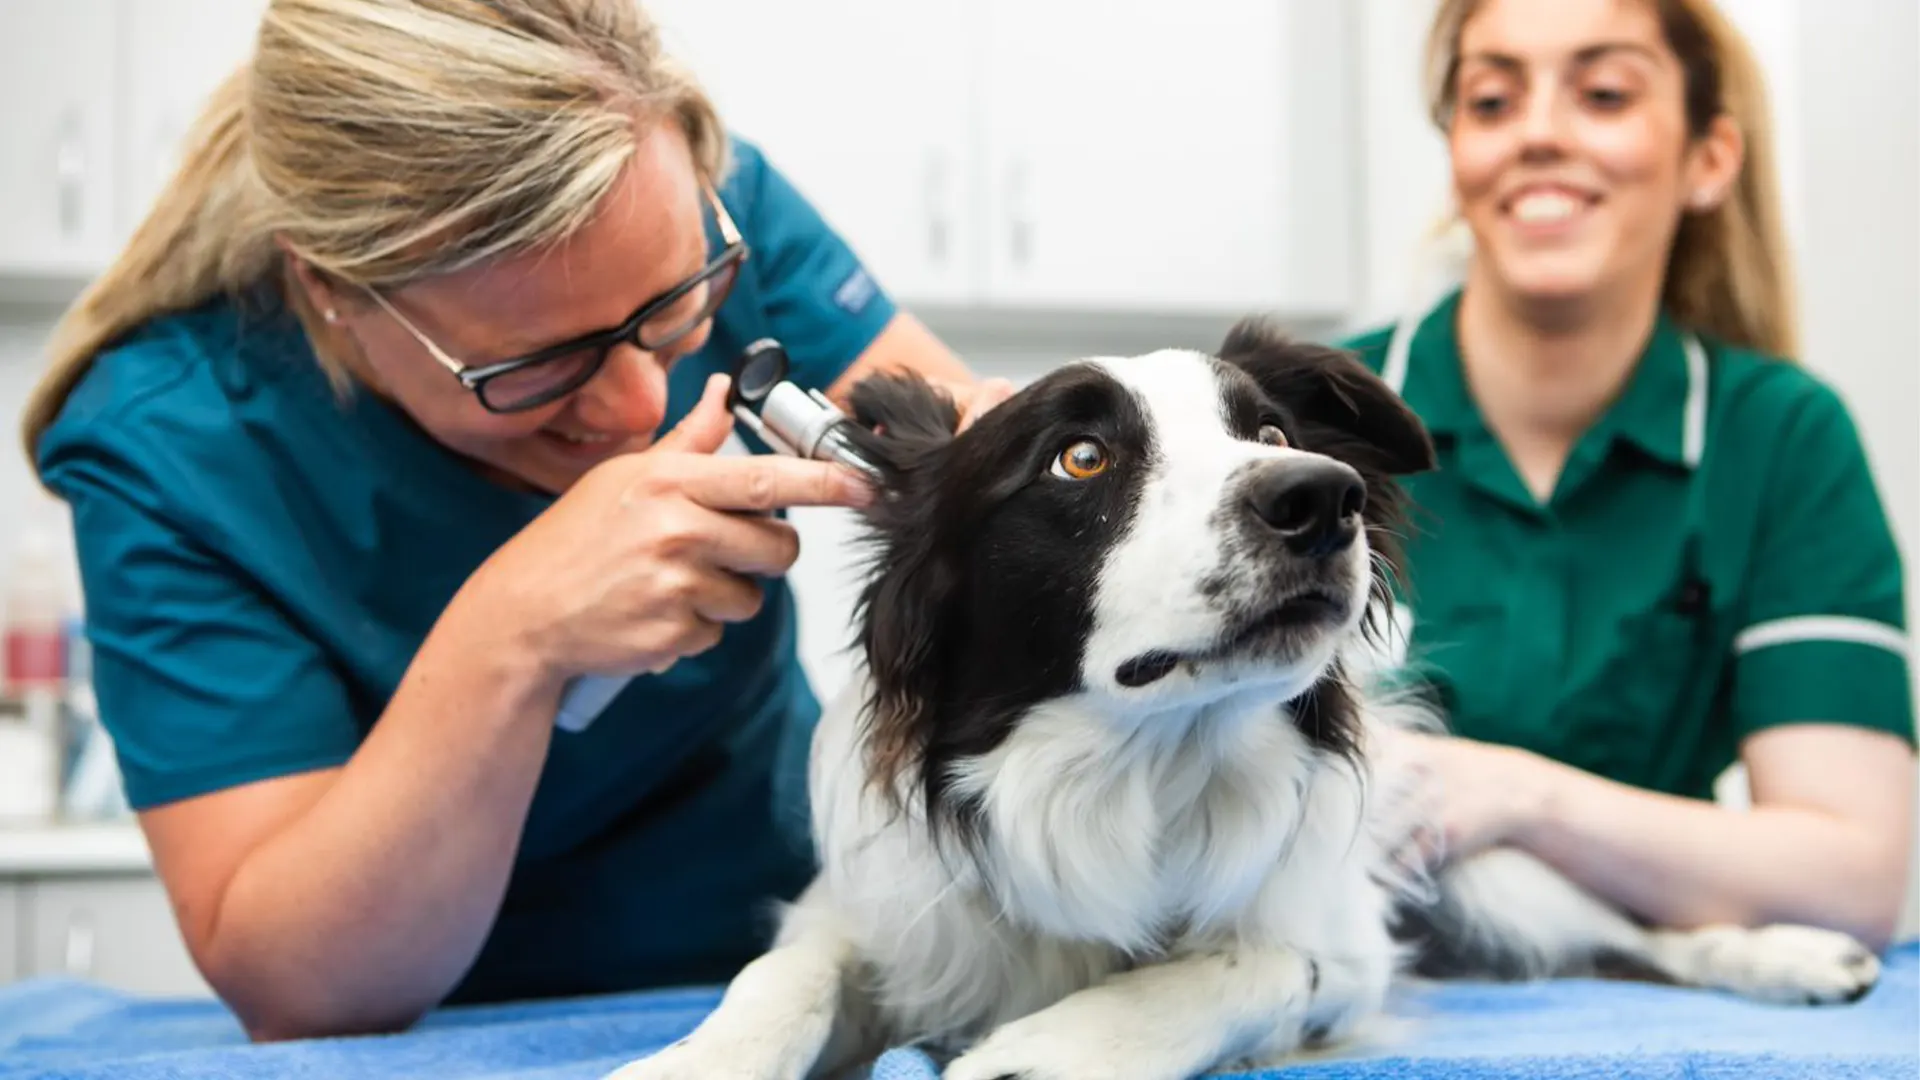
(386, 140)
(1728, 274)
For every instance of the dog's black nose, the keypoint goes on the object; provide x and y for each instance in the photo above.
(1312, 504)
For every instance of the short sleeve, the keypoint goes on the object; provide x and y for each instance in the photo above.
(1824, 636)
(201, 682)
(818, 298)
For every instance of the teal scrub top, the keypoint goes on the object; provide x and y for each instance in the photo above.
(1714, 561)
(261, 559)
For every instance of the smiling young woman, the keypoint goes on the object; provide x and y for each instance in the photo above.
(399, 412)
(1653, 547)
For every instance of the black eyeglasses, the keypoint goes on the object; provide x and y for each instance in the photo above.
(533, 380)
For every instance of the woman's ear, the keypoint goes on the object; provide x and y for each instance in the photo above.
(1713, 167)
(316, 288)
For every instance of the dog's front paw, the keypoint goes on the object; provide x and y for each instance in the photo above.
(1034, 1053)
(1787, 965)
(1063, 1045)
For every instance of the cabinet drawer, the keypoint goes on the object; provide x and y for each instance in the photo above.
(117, 931)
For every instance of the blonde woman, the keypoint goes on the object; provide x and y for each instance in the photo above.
(1652, 547)
(398, 414)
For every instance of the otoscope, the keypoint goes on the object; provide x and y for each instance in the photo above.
(792, 421)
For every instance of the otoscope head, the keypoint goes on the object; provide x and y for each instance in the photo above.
(762, 366)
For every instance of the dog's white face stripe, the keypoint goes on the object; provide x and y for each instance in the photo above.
(1151, 593)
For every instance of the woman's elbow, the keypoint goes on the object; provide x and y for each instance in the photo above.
(293, 1013)
(273, 1004)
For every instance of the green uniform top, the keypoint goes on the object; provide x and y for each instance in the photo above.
(1714, 560)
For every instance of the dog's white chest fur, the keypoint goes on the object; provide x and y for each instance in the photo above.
(1158, 836)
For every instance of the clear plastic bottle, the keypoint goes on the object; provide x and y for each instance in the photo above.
(33, 680)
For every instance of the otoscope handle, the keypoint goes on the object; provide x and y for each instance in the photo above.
(585, 698)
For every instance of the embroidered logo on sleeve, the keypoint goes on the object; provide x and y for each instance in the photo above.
(855, 292)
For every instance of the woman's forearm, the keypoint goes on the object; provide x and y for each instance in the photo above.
(1682, 862)
(364, 911)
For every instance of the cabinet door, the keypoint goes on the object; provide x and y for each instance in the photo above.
(9, 933)
(117, 931)
(58, 77)
(1160, 156)
(178, 52)
(864, 105)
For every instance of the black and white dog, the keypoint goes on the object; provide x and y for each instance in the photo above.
(1104, 800)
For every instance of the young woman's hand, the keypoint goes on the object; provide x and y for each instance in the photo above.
(648, 557)
(1467, 795)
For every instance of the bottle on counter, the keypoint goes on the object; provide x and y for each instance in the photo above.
(32, 680)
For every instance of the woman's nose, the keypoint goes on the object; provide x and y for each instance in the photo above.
(628, 394)
(1543, 123)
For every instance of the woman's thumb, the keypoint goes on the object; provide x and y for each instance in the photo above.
(703, 430)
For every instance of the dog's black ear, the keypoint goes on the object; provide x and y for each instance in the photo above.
(1332, 388)
(900, 416)
(904, 612)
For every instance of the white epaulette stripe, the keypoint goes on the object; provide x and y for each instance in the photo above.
(1801, 628)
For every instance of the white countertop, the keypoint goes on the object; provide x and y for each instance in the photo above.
(105, 848)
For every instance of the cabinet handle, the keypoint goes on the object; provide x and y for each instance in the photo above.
(78, 958)
(1019, 221)
(70, 173)
(937, 223)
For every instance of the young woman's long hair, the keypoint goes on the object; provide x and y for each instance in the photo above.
(381, 142)
(1729, 273)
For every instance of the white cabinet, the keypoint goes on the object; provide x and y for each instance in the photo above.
(9, 933)
(1060, 154)
(96, 97)
(58, 82)
(82, 901)
(1067, 155)
(118, 931)
(864, 105)
(1143, 154)
(178, 52)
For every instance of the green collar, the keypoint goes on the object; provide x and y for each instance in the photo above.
(1661, 411)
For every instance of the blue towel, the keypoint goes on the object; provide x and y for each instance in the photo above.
(1574, 1028)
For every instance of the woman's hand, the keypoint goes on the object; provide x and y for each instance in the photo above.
(1469, 796)
(649, 555)
(976, 399)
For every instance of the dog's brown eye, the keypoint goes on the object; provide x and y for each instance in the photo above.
(1081, 460)
(1272, 435)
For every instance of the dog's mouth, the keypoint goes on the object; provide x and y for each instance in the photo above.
(1305, 611)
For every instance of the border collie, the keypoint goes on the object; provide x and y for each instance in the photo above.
(1106, 796)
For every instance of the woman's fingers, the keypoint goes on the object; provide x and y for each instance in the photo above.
(743, 544)
(986, 394)
(763, 483)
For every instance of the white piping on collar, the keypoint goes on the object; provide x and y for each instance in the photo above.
(1693, 419)
(1393, 370)
(1693, 416)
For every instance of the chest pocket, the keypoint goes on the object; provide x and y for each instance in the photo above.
(1643, 709)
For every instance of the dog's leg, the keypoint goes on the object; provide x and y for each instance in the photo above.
(1169, 1021)
(1504, 914)
(795, 1012)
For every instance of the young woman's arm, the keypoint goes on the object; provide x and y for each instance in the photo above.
(1827, 841)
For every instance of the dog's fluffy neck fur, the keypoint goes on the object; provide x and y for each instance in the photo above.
(1140, 838)
(1108, 841)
